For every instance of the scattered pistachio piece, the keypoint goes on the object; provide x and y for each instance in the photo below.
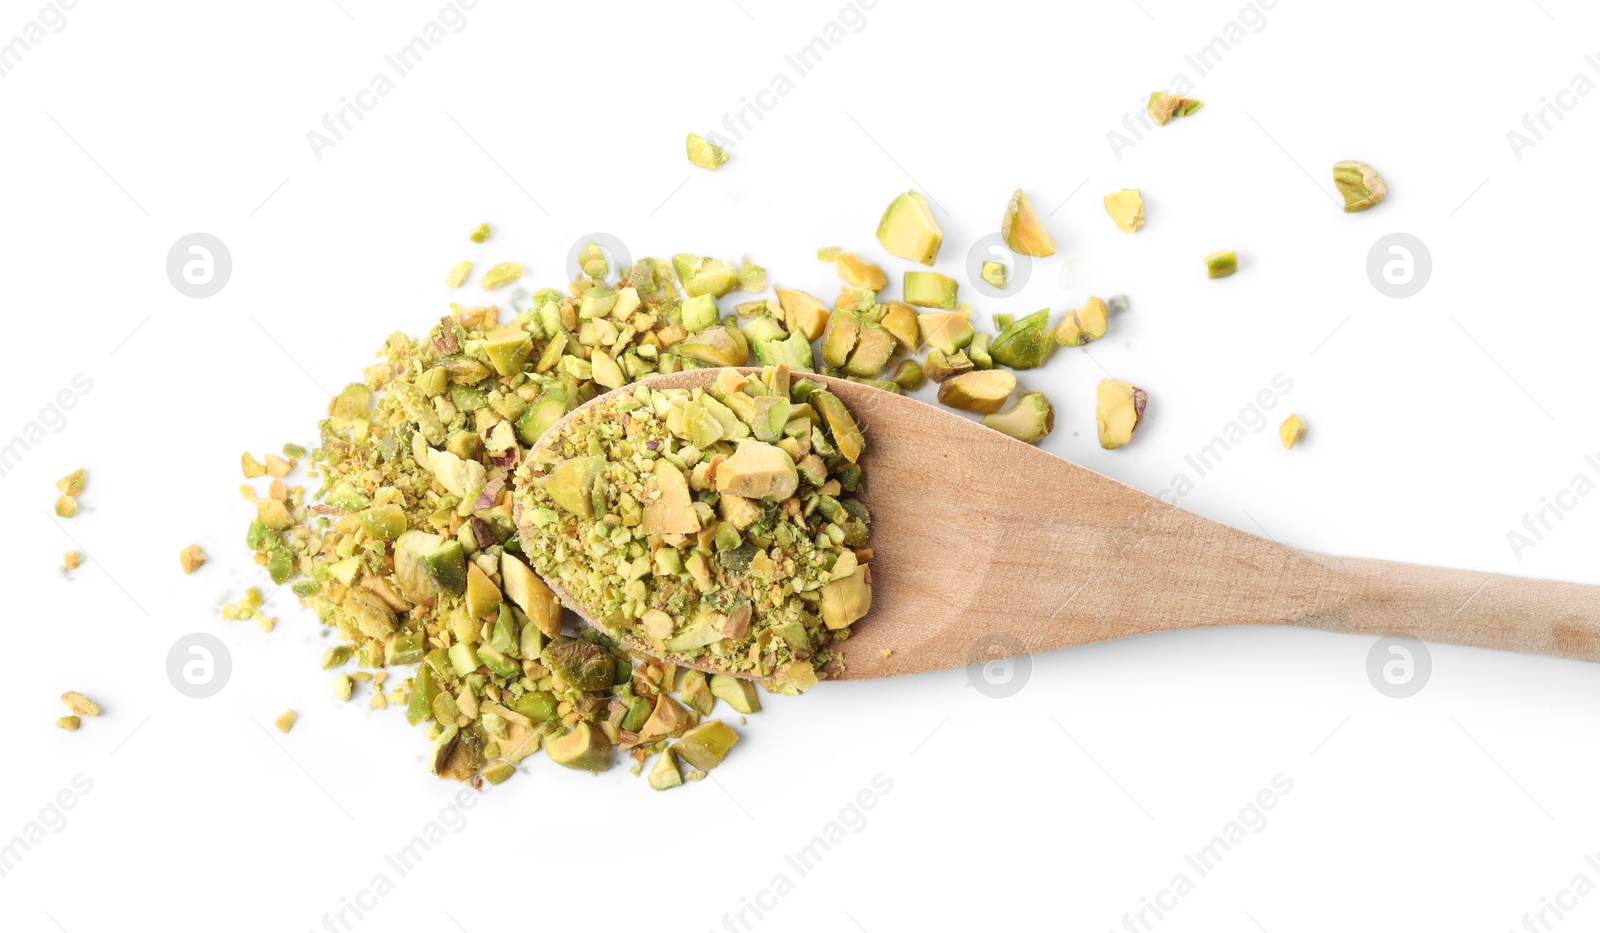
(458, 274)
(190, 558)
(704, 154)
(1118, 411)
(994, 273)
(285, 722)
(1022, 229)
(499, 772)
(1221, 263)
(80, 704)
(1026, 344)
(66, 506)
(704, 746)
(72, 559)
(1029, 420)
(69, 723)
(981, 391)
(1360, 184)
(252, 467)
(908, 229)
(480, 233)
(1083, 325)
(664, 774)
(1291, 431)
(909, 375)
(1163, 107)
(501, 275)
(858, 273)
(930, 290)
(71, 484)
(1126, 208)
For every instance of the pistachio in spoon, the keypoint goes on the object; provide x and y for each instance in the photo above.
(716, 527)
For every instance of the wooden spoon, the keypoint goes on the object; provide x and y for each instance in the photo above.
(986, 548)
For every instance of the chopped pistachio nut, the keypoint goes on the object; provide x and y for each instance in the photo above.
(1126, 208)
(251, 466)
(71, 484)
(190, 558)
(1029, 420)
(285, 722)
(909, 375)
(1118, 411)
(66, 506)
(1026, 344)
(705, 524)
(908, 229)
(930, 290)
(858, 273)
(479, 234)
(80, 704)
(1163, 107)
(500, 276)
(704, 154)
(981, 391)
(1360, 184)
(72, 559)
(1022, 229)
(1083, 325)
(1291, 431)
(458, 274)
(1223, 262)
(69, 723)
(995, 274)
(343, 686)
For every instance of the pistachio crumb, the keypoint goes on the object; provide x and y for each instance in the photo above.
(190, 558)
(285, 722)
(480, 233)
(69, 723)
(66, 506)
(80, 704)
(72, 483)
(72, 559)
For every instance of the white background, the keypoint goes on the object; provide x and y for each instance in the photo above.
(1436, 422)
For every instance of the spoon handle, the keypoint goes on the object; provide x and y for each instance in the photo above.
(1463, 607)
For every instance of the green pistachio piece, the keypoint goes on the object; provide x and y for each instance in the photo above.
(705, 745)
(1026, 344)
(908, 229)
(1029, 420)
(584, 665)
(704, 154)
(930, 290)
(1223, 262)
(994, 273)
(501, 275)
(980, 391)
(427, 565)
(1360, 184)
(664, 773)
(1022, 229)
(479, 234)
(909, 375)
(585, 748)
(736, 692)
(696, 692)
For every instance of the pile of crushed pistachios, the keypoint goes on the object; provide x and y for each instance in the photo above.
(716, 527)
